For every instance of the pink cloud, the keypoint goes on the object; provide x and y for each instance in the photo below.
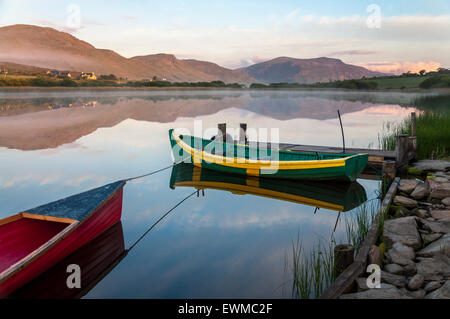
(259, 59)
(402, 67)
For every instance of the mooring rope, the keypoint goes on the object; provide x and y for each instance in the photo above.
(160, 219)
(158, 170)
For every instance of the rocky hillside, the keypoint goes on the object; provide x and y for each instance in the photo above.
(49, 48)
(285, 69)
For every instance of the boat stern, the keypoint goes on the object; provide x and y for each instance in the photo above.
(354, 165)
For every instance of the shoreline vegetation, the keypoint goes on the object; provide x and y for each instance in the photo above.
(432, 131)
(424, 81)
(312, 271)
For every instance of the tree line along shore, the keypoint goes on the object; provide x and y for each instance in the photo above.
(421, 80)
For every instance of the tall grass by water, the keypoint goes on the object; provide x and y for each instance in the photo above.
(432, 131)
(313, 270)
(358, 226)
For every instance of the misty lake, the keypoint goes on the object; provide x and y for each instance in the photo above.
(56, 143)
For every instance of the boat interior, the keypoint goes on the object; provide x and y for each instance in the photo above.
(23, 233)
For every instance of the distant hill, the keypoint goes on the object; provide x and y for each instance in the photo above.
(49, 48)
(14, 68)
(285, 69)
(188, 70)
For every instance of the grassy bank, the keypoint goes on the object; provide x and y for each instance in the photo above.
(45, 81)
(432, 131)
(398, 83)
(377, 83)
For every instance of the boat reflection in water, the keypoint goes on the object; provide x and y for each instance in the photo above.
(96, 259)
(339, 197)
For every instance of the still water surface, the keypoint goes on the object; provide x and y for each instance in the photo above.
(224, 245)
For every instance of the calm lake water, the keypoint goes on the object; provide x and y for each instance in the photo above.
(224, 245)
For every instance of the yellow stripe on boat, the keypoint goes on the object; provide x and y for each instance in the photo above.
(253, 166)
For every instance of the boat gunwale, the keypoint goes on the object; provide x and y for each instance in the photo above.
(38, 252)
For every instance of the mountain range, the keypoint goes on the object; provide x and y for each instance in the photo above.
(45, 47)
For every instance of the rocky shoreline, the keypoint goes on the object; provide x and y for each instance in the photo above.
(414, 247)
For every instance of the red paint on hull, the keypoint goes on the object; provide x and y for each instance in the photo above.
(101, 220)
(95, 259)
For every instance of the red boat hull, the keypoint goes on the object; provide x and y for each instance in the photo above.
(96, 224)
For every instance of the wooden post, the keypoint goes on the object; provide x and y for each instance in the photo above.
(412, 147)
(413, 123)
(401, 150)
(243, 134)
(388, 168)
(344, 256)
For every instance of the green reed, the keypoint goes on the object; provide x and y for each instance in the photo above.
(358, 225)
(432, 131)
(313, 270)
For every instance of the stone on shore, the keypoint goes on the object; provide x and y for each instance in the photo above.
(407, 185)
(441, 293)
(416, 294)
(442, 226)
(394, 269)
(432, 285)
(410, 270)
(422, 213)
(400, 254)
(440, 191)
(441, 246)
(441, 214)
(396, 280)
(402, 230)
(434, 269)
(446, 201)
(404, 201)
(377, 293)
(428, 239)
(420, 191)
(432, 165)
(416, 282)
(400, 211)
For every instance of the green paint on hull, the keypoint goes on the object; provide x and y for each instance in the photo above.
(354, 164)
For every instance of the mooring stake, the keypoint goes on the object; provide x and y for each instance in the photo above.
(344, 256)
(337, 220)
(342, 131)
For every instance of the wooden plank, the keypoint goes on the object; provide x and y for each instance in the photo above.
(331, 149)
(375, 154)
(10, 219)
(49, 218)
(370, 176)
(345, 280)
(376, 159)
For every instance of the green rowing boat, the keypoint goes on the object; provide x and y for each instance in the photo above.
(271, 163)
